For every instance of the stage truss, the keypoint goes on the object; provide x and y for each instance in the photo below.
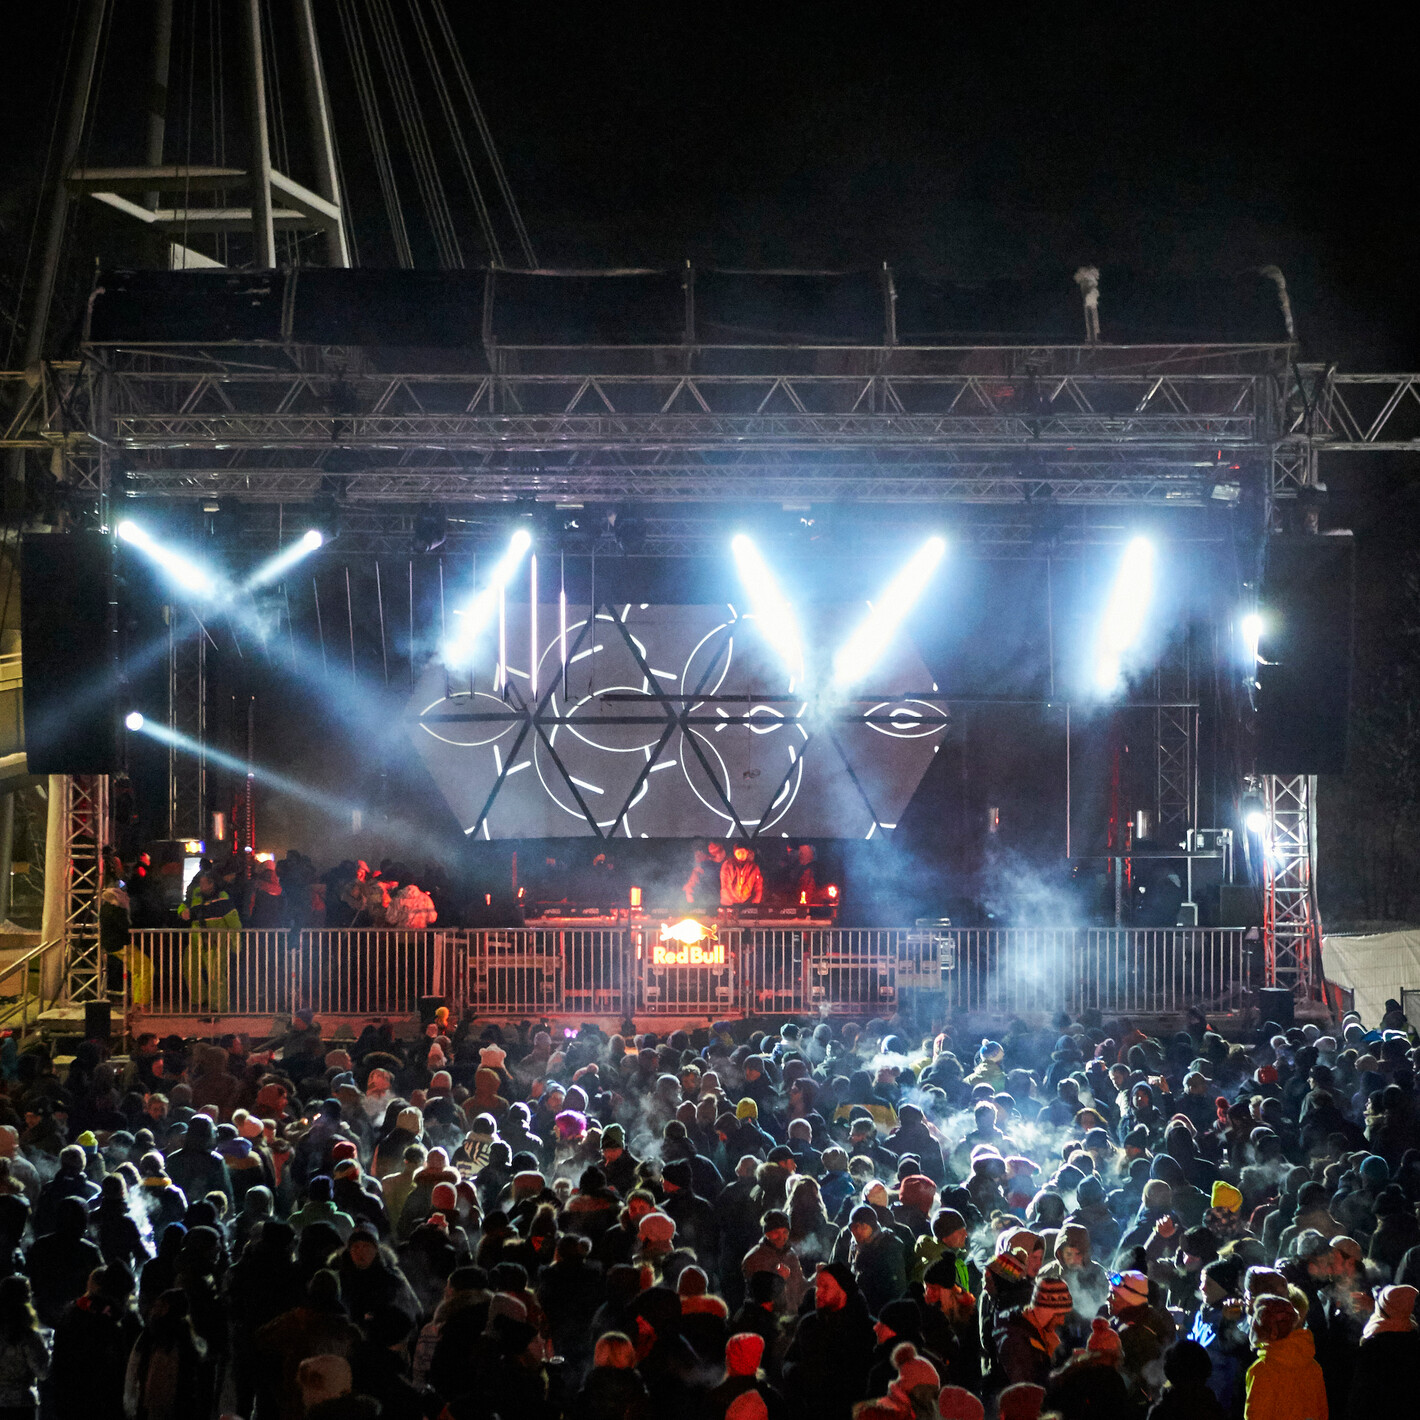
(1012, 430)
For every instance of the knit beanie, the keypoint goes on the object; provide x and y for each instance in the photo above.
(913, 1370)
(445, 1198)
(1052, 1294)
(746, 1109)
(747, 1406)
(743, 1353)
(1021, 1401)
(656, 1227)
(1008, 1266)
(1395, 1310)
(1228, 1198)
(956, 1403)
(1132, 1288)
(1103, 1339)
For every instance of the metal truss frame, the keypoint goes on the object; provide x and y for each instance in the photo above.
(187, 716)
(1078, 424)
(1291, 926)
(85, 813)
(1175, 745)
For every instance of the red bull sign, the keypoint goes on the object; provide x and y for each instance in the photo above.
(687, 943)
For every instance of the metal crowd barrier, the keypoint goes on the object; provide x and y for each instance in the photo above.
(597, 971)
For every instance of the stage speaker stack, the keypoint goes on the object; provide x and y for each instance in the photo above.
(1275, 1005)
(1304, 654)
(67, 653)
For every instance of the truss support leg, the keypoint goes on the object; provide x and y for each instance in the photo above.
(1291, 925)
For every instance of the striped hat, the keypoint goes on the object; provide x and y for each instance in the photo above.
(1008, 1266)
(1052, 1295)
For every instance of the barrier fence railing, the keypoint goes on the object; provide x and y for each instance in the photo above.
(602, 971)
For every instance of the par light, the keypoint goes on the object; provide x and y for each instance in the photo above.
(477, 614)
(1254, 814)
(274, 567)
(134, 720)
(1124, 615)
(188, 575)
(777, 623)
(861, 652)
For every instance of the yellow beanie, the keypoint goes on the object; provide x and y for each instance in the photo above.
(1227, 1197)
(747, 1109)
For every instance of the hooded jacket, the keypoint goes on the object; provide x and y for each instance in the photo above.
(1285, 1382)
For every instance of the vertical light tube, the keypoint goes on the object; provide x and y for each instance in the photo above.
(562, 625)
(532, 625)
(502, 635)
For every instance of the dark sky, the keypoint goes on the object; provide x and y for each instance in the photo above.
(1014, 141)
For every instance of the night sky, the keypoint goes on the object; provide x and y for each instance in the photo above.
(1017, 143)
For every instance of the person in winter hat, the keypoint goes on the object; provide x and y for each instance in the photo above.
(1285, 1382)
(913, 1392)
(1186, 1394)
(1021, 1401)
(1028, 1338)
(1387, 1361)
(955, 1402)
(1073, 1264)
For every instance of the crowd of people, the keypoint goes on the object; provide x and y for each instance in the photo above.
(823, 1221)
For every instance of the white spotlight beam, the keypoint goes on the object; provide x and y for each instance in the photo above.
(186, 573)
(284, 560)
(872, 636)
(1124, 615)
(773, 613)
(471, 619)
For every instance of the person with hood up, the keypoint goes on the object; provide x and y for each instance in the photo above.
(1285, 1382)
(826, 1365)
(1074, 1265)
(1092, 1213)
(1388, 1359)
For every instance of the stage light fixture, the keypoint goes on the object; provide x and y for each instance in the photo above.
(1251, 626)
(134, 720)
(1124, 615)
(772, 612)
(874, 634)
(1254, 814)
(276, 567)
(187, 574)
(476, 615)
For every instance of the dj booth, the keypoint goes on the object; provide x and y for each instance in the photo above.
(749, 961)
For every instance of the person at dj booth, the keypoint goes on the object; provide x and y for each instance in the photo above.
(702, 887)
(741, 879)
(806, 888)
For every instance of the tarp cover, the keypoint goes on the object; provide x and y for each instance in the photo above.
(1377, 966)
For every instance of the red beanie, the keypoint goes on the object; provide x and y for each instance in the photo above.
(446, 1198)
(343, 1149)
(743, 1353)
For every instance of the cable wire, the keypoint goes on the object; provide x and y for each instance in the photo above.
(369, 109)
(416, 133)
(446, 103)
(485, 133)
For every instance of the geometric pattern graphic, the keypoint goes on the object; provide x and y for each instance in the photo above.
(673, 721)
